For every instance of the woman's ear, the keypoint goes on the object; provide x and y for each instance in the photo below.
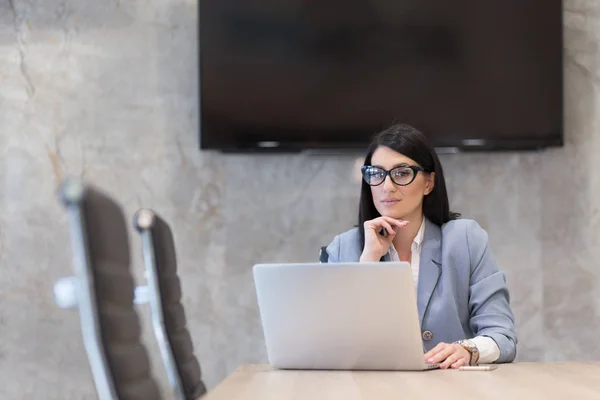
(429, 183)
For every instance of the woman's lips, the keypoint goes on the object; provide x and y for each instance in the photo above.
(390, 202)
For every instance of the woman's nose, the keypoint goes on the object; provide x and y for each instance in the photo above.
(388, 184)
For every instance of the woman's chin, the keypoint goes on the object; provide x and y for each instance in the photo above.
(395, 215)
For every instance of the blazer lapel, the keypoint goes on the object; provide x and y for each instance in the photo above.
(429, 266)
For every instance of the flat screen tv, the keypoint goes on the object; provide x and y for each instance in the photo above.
(285, 75)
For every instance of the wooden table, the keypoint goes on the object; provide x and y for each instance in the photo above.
(570, 381)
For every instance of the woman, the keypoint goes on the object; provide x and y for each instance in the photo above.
(463, 301)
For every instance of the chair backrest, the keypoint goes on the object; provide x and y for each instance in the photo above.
(323, 255)
(104, 291)
(168, 315)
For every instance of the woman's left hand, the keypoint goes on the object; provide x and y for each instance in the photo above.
(449, 355)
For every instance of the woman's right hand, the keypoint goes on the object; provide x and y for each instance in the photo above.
(377, 245)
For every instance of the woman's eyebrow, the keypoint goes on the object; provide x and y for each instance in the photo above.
(402, 164)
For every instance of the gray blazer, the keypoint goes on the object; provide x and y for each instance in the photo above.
(461, 291)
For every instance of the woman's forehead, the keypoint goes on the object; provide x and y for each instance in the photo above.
(388, 158)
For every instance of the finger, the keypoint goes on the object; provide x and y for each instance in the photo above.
(439, 347)
(454, 357)
(378, 224)
(394, 221)
(374, 224)
(388, 228)
(441, 355)
(461, 361)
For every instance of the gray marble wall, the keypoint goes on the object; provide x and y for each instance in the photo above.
(107, 90)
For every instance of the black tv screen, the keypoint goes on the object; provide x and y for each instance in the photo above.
(314, 74)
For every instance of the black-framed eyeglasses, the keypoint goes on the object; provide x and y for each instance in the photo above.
(402, 175)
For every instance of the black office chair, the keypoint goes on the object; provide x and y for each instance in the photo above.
(103, 291)
(323, 255)
(168, 316)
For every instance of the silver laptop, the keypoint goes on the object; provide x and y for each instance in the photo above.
(340, 316)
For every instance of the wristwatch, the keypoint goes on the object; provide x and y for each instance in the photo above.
(470, 346)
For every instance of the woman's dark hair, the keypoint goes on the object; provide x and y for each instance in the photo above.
(413, 144)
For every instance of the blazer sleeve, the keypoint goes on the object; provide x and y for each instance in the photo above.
(489, 301)
(333, 250)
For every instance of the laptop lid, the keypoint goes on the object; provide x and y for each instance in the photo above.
(340, 316)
